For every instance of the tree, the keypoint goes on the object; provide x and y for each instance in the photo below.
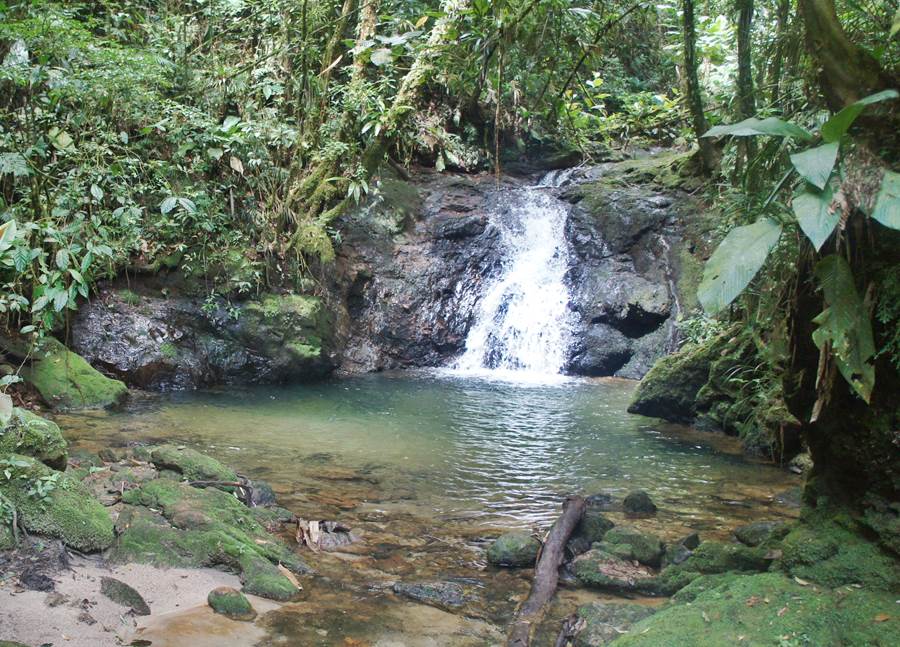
(692, 85)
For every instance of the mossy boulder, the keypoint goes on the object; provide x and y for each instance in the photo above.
(629, 543)
(770, 609)
(29, 434)
(761, 532)
(600, 569)
(53, 504)
(514, 549)
(606, 621)
(231, 603)
(712, 557)
(66, 381)
(638, 504)
(591, 529)
(190, 463)
(204, 528)
(669, 390)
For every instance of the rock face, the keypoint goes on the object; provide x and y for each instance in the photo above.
(161, 339)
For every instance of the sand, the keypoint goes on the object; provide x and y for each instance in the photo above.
(76, 614)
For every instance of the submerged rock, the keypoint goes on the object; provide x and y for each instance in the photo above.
(122, 593)
(606, 621)
(440, 594)
(638, 504)
(52, 504)
(231, 603)
(514, 549)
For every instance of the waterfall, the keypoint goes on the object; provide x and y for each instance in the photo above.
(523, 322)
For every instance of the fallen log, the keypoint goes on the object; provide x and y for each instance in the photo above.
(546, 574)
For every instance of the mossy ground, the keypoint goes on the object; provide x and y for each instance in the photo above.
(770, 609)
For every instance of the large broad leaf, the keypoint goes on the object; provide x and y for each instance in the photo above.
(753, 126)
(7, 235)
(887, 205)
(845, 325)
(736, 261)
(815, 164)
(835, 127)
(814, 213)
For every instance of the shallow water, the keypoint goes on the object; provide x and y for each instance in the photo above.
(427, 466)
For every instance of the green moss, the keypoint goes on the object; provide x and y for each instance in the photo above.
(712, 557)
(29, 434)
(514, 549)
(52, 504)
(168, 350)
(830, 554)
(129, 297)
(230, 603)
(768, 610)
(7, 537)
(66, 381)
(190, 463)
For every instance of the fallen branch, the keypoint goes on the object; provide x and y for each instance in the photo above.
(546, 574)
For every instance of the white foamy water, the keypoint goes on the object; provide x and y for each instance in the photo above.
(523, 324)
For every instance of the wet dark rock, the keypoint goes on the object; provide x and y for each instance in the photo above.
(606, 621)
(690, 541)
(592, 528)
(261, 494)
(440, 594)
(122, 593)
(639, 504)
(514, 549)
(602, 350)
(34, 580)
(757, 533)
(601, 501)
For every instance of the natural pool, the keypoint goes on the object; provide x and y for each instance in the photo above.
(426, 467)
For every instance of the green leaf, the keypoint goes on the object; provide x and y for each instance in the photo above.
(7, 235)
(381, 57)
(61, 140)
(62, 258)
(896, 26)
(753, 126)
(187, 205)
(887, 204)
(815, 164)
(14, 164)
(735, 262)
(97, 192)
(814, 213)
(845, 325)
(168, 204)
(835, 127)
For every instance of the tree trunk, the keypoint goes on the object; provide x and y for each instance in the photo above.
(546, 574)
(746, 99)
(692, 82)
(846, 72)
(782, 15)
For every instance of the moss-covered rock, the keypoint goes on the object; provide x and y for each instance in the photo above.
(638, 504)
(53, 504)
(769, 609)
(231, 603)
(600, 569)
(29, 434)
(591, 529)
(514, 549)
(712, 557)
(190, 463)
(629, 543)
(760, 532)
(204, 528)
(66, 381)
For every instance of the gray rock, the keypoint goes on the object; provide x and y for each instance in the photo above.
(591, 529)
(440, 594)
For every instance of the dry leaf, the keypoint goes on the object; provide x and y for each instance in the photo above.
(293, 578)
(800, 582)
(782, 611)
(236, 164)
(882, 617)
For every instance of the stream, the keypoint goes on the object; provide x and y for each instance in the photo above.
(427, 467)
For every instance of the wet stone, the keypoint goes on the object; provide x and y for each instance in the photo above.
(757, 533)
(123, 594)
(231, 603)
(514, 549)
(443, 595)
(600, 569)
(639, 504)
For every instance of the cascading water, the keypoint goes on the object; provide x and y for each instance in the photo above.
(523, 322)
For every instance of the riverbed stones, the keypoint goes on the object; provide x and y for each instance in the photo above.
(599, 568)
(638, 504)
(124, 594)
(514, 549)
(632, 544)
(606, 621)
(52, 504)
(231, 603)
(441, 594)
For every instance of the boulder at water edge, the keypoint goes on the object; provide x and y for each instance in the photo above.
(515, 549)
(231, 603)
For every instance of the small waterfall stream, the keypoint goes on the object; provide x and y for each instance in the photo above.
(523, 323)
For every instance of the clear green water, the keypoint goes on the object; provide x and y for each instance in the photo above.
(499, 452)
(427, 468)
